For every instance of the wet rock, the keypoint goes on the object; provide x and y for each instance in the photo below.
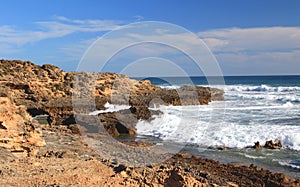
(256, 146)
(217, 94)
(273, 145)
(121, 122)
(222, 148)
(140, 112)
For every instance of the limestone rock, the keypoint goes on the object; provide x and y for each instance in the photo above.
(18, 129)
(177, 179)
(47, 90)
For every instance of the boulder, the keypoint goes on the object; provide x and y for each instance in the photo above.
(273, 145)
(257, 145)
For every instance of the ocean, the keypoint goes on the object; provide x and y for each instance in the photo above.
(256, 108)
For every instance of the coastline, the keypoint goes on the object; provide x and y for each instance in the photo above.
(43, 153)
(67, 160)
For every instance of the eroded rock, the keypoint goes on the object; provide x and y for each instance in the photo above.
(18, 133)
(47, 90)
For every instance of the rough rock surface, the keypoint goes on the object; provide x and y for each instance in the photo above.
(67, 161)
(273, 144)
(47, 90)
(18, 132)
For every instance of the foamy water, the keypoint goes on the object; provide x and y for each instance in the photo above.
(248, 114)
(193, 124)
(110, 108)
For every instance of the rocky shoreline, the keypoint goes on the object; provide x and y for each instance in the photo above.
(55, 154)
(47, 90)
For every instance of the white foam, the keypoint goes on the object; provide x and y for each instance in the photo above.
(269, 97)
(193, 125)
(109, 108)
(288, 104)
(261, 88)
(287, 163)
(170, 87)
(163, 126)
(254, 157)
(293, 140)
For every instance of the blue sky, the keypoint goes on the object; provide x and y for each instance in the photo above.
(246, 37)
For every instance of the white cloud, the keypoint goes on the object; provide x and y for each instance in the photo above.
(256, 39)
(266, 50)
(69, 26)
(59, 27)
(214, 43)
(261, 63)
(138, 18)
(238, 50)
(170, 42)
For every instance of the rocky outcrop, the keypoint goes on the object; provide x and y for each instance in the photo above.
(186, 170)
(270, 144)
(179, 178)
(123, 122)
(28, 90)
(47, 90)
(257, 146)
(18, 132)
(273, 144)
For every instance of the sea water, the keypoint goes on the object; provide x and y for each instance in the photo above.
(256, 108)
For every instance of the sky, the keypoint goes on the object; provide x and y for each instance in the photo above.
(250, 37)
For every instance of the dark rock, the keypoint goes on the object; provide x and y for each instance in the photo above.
(222, 148)
(140, 112)
(120, 168)
(257, 146)
(69, 121)
(2, 125)
(273, 145)
(121, 122)
(74, 129)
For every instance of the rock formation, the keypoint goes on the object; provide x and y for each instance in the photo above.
(47, 90)
(273, 144)
(18, 132)
(257, 146)
(28, 90)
